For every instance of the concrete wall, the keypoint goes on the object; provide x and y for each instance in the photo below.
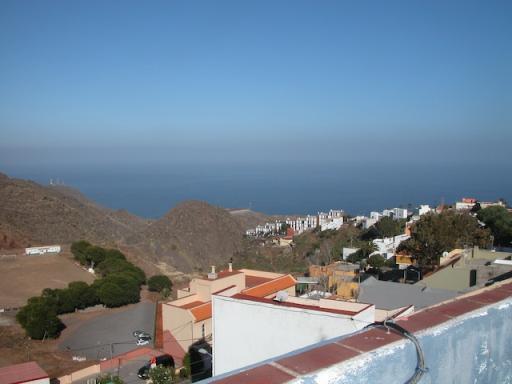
(40, 381)
(469, 349)
(179, 322)
(80, 374)
(204, 288)
(451, 278)
(246, 332)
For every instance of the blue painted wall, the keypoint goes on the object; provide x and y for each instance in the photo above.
(475, 348)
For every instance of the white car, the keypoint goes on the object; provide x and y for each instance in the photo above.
(143, 340)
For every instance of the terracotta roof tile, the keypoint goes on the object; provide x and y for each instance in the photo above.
(270, 287)
(264, 374)
(202, 312)
(252, 281)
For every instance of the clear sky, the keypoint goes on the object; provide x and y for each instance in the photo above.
(255, 81)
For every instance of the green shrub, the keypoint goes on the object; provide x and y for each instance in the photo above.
(158, 282)
(39, 319)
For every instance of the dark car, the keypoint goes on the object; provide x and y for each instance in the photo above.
(163, 360)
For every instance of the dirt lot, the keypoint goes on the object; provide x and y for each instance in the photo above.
(26, 276)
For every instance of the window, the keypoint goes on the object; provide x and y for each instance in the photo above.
(202, 331)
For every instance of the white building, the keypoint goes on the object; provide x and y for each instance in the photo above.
(387, 246)
(302, 224)
(42, 250)
(424, 209)
(247, 330)
(466, 203)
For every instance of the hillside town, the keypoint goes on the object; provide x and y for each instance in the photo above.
(195, 332)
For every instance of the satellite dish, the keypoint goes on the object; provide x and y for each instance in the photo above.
(445, 254)
(281, 296)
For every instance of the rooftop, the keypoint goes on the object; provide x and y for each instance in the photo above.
(19, 373)
(311, 304)
(461, 328)
(389, 295)
(270, 287)
(202, 312)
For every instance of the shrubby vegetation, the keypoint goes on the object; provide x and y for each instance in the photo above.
(158, 283)
(434, 234)
(162, 375)
(118, 285)
(499, 221)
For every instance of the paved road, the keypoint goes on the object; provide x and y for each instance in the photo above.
(95, 338)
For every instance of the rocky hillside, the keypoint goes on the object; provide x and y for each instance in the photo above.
(190, 237)
(194, 235)
(50, 215)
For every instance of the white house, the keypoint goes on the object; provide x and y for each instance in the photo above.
(43, 250)
(248, 329)
(387, 246)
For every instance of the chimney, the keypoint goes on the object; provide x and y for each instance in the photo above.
(212, 275)
(230, 266)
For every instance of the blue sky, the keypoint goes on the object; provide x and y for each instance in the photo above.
(239, 81)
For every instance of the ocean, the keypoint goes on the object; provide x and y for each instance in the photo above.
(150, 191)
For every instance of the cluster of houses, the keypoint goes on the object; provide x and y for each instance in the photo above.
(248, 316)
(323, 220)
(241, 317)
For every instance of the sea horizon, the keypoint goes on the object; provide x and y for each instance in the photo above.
(151, 191)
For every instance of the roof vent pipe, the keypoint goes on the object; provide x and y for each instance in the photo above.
(212, 275)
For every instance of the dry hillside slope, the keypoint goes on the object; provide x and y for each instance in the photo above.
(190, 237)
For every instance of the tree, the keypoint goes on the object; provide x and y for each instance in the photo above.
(109, 379)
(499, 221)
(385, 227)
(39, 319)
(79, 251)
(161, 375)
(117, 289)
(158, 282)
(434, 234)
(377, 261)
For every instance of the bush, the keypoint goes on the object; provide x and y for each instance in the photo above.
(376, 261)
(158, 282)
(39, 319)
(79, 251)
(116, 265)
(117, 289)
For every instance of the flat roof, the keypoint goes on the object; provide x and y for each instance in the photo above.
(296, 305)
(221, 275)
(192, 304)
(20, 373)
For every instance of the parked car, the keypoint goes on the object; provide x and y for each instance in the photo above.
(139, 333)
(143, 340)
(163, 360)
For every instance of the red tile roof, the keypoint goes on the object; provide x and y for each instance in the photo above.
(202, 312)
(270, 287)
(192, 304)
(19, 373)
(252, 281)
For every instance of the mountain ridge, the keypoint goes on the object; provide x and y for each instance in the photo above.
(190, 237)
